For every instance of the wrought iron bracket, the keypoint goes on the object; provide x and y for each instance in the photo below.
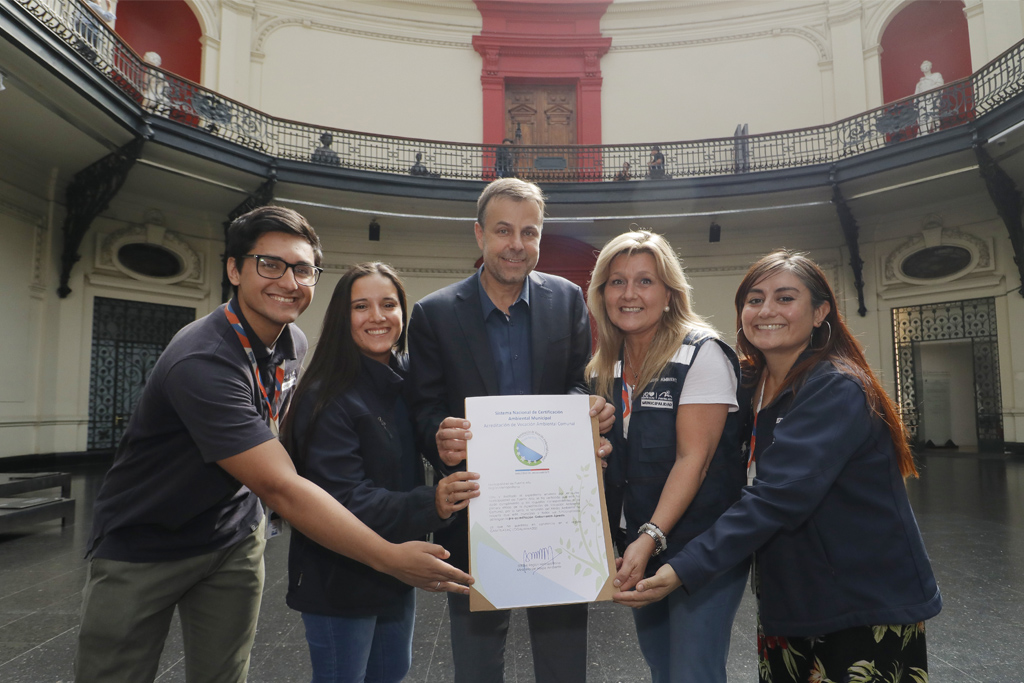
(851, 231)
(263, 195)
(88, 194)
(1007, 200)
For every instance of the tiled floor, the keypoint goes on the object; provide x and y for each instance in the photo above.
(971, 511)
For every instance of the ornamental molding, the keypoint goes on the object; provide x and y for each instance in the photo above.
(37, 286)
(272, 24)
(192, 271)
(208, 14)
(460, 273)
(841, 13)
(933, 234)
(22, 214)
(876, 19)
(812, 36)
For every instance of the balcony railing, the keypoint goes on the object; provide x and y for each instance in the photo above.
(163, 94)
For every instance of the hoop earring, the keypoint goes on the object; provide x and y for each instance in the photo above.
(829, 337)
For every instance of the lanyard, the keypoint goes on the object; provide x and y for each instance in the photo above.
(272, 406)
(751, 463)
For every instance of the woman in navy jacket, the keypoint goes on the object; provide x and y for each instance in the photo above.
(676, 453)
(349, 430)
(841, 574)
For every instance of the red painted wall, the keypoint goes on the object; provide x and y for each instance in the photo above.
(167, 27)
(935, 30)
(542, 41)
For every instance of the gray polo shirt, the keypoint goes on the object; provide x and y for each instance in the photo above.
(165, 497)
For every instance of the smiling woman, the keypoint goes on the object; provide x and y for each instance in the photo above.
(350, 431)
(676, 462)
(842, 578)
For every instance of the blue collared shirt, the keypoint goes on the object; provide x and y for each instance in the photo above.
(509, 337)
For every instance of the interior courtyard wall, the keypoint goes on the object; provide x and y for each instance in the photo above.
(784, 66)
(703, 91)
(21, 308)
(369, 84)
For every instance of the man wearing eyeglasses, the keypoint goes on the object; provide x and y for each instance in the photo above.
(177, 520)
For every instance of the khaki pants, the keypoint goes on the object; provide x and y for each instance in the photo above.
(127, 611)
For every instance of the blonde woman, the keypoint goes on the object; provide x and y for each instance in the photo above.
(676, 463)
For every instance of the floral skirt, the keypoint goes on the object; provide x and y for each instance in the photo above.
(863, 654)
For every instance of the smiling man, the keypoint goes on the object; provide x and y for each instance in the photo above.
(177, 521)
(506, 330)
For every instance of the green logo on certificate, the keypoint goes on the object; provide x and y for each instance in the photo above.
(531, 448)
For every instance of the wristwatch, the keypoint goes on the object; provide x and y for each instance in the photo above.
(652, 530)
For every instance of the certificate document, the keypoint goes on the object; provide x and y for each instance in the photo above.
(538, 532)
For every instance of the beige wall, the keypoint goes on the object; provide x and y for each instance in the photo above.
(697, 92)
(373, 85)
(408, 68)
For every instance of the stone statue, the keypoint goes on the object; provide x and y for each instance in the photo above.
(324, 154)
(156, 85)
(928, 107)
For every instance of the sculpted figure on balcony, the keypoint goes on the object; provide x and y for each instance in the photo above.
(419, 168)
(928, 107)
(155, 98)
(324, 154)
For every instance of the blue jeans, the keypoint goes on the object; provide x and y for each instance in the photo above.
(685, 638)
(357, 649)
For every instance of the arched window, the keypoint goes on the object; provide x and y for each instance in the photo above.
(166, 27)
(925, 30)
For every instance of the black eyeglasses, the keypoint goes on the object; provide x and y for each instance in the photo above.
(274, 268)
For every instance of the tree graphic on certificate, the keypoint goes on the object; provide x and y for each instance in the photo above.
(538, 531)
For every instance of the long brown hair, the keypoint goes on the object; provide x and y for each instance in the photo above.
(337, 361)
(832, 342)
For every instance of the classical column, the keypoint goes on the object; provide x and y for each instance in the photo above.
(844, 21)
(236, 25)
(975, 13)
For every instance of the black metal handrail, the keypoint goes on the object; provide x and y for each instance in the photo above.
(164, 94)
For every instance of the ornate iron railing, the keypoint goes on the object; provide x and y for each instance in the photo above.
(163, 94)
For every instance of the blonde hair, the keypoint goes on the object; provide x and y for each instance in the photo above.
(673, 327)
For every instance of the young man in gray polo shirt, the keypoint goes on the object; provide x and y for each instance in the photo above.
(177, 520)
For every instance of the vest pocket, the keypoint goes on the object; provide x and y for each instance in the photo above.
(658, 445)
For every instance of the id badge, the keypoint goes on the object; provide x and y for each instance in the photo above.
(275, 523)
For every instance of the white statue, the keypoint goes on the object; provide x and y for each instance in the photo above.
(928, 107)
(155, 97)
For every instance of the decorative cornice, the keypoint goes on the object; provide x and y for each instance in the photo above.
(842, 12)
(176, 291)
(407, 270)
(813, 37)
(269, 27)
(20, 213)
(974, 9)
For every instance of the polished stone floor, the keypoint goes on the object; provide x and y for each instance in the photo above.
(970, 508)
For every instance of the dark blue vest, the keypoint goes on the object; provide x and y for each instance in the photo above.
(640, 465)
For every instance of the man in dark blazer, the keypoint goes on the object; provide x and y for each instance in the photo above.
(505, 330)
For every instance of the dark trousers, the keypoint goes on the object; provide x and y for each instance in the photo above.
(558, 638)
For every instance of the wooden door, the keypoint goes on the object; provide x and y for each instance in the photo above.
(545, 115)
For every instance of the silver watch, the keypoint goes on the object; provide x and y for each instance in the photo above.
(652, 530)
